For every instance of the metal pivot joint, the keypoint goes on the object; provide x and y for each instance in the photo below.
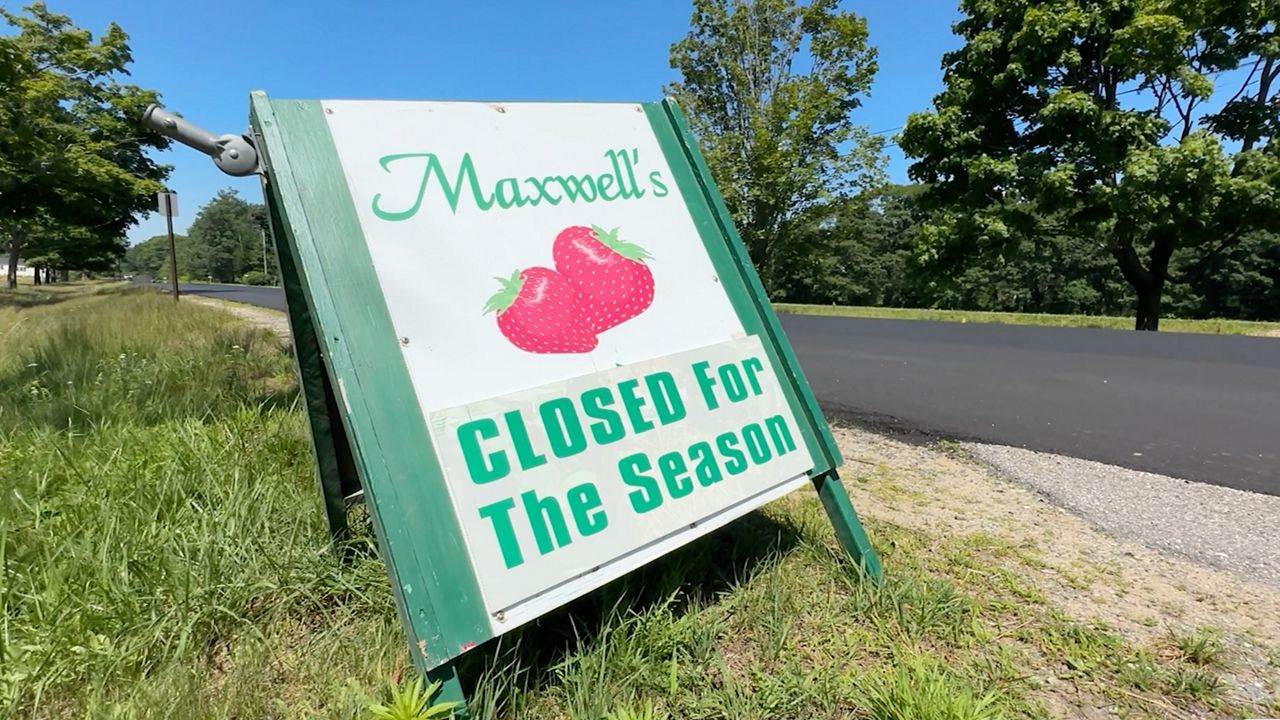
(233, 154)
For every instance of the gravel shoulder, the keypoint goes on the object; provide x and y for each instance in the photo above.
(1116, 576)
(1220, 527)
(273, 320)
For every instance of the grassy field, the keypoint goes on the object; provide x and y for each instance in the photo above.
(1214, 326)
(164, 555)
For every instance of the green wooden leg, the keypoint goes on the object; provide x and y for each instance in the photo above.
(334, 468)
(849, 530)
(450, 689)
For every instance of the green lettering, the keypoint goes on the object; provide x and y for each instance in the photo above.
(525, 453)
(483, 468)
(564, 429)
(674, 474)
(731, 379)
(627, 160)
(735, 461)
(647, 496)
(780, 434)
(540, 189)
(508, 194)
(547, 519)
(452, 193)
(583, 499)
(705, 383)
(753, 368)
(659, 187)
(609, 429)
(667, 403)
(499, 514)
(753, 437)
(604, 182)
(633, 403)
(575, 188)
(707, 470)
(625, 193)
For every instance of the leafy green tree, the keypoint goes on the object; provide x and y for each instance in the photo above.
(151, 256)
(770, 87)
(227, 239)
(1090, 118)
(74, 164)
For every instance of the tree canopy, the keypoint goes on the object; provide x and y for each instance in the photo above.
(74, 165)
(224, 244)
(1097, 119)
(770, 86)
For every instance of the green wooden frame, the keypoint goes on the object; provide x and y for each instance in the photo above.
(367, 438)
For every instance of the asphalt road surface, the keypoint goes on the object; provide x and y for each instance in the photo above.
(1196, 407)
(270, 297)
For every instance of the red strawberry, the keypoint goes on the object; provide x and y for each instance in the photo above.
(610, 274)
(540, 311)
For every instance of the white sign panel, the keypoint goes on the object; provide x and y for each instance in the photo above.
(167, 203)
(592, 475)
(593, 398)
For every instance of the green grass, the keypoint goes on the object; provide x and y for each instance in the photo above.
(163, 554)
(1211, 326)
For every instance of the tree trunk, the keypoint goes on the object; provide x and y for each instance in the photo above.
(64, 275)
(35, 275)
(1149, 306)
(1147, 282)
(15, 250)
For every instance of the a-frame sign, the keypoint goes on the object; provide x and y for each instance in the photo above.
(530, 334)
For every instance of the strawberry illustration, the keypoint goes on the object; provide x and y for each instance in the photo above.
(610, 273)
(540, 311)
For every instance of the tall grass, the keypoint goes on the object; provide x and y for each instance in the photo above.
(158, 516)
(163, 555)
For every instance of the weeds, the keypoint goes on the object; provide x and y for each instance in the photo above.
(1195, 684)
(1201, 647)
(922, 689)
(162, 547)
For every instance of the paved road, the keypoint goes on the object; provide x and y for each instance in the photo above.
(1197, 407)
(271, 297)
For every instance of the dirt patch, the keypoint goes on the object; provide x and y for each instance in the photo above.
(1146, 597)
(273, 320)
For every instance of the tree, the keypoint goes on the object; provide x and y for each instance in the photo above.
(151, 256)
(1088, 118)
(227, 239)
(73, 159)
(769, 87)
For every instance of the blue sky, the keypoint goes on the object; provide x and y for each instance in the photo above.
(204, 58)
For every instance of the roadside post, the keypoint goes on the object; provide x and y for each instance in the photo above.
(168, 205)
(531, 340)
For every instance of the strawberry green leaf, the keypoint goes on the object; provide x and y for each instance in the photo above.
(506, 296)
(630, 251)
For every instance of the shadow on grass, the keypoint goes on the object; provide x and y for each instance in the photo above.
(682, 581)
(24, 298)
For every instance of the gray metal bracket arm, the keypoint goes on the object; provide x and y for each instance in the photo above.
(233, 154)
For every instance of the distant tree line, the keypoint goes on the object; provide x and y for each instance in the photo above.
(1115, 157)
(1084, 156)
(871, 255)
(229, 241)
(74, 167)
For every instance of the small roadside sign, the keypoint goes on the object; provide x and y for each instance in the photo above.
(167, 203)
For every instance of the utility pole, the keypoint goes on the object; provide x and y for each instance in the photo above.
(168, 203)
(264, 254)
